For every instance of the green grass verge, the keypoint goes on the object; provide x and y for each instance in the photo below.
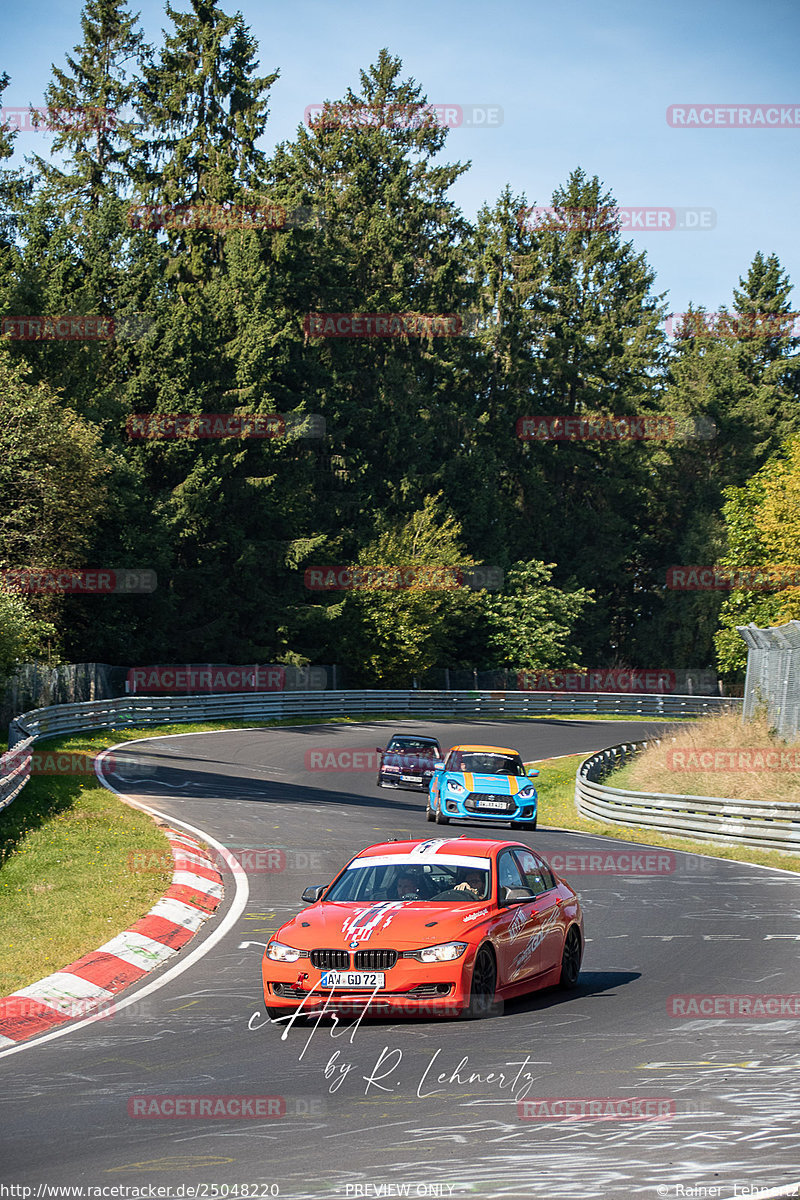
(66, 883)
(556, 785)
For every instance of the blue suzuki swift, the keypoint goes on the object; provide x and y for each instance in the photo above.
(483, 783)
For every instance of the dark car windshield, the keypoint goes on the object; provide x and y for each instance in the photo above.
(414, 745)
(441, 883)
(482, 763)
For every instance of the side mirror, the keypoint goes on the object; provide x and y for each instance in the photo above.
(313, 893)
(379, 749)
(438, 766)
(532, 772)
(517, 895)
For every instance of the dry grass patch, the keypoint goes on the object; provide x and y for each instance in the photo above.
(764, 767)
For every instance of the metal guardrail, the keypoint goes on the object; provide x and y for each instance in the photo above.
(141, 710)
(707, 818)
(15, 770)
(162, 710)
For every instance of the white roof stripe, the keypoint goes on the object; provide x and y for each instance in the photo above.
(451, 860)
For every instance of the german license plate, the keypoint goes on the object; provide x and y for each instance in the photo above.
(410, 778)
(492, 804)
(353, 979)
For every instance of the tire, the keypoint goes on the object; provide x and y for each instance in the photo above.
(482, 999)
(571, 959)
(429, 814)
(274, 1013)
(440, 818)
(533, 822)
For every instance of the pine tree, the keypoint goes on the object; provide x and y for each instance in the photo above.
(88, 106)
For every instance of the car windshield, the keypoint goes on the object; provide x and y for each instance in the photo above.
(414, 745)
(482, 762)
(447, 883)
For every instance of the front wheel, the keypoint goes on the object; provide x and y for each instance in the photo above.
(441, 819)
(429, 814)
(571, 959)
(482, 1002)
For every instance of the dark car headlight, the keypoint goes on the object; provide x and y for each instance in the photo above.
(456, 788)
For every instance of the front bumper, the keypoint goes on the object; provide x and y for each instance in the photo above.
(466, 808)
(411, 987)
(420, 784)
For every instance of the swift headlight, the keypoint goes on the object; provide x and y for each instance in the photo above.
(447, 952)
(456, 788)
(526, 792)
(280, 953)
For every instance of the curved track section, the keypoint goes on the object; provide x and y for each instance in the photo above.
(421, 1108)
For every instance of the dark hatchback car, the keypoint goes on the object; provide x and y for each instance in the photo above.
(408, 761)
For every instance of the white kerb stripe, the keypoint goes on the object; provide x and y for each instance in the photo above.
(185, 915)
(207, 886)
(61, 989)
(181, 840)
(138, 950)
(184, 860)
(4, 1041)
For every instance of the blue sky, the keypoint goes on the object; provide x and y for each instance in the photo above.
(579, 84)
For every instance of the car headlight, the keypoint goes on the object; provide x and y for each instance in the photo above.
(456, 787)
(527, 792)
(388, 767)
(280, 953)
(433, 954)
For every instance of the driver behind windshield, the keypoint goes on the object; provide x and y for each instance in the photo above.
(406, 887)
(474, 882)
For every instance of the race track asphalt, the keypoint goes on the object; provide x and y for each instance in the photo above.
(423, 1107)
